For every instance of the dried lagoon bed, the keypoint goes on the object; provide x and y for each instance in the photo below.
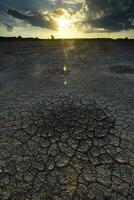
(67, 134)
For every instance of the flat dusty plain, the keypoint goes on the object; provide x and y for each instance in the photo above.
(67, 120)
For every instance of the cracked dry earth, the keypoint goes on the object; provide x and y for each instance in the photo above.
(65, 148)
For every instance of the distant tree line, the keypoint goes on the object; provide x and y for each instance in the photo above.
(19, 38)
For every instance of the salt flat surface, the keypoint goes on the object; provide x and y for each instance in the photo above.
(67, 120)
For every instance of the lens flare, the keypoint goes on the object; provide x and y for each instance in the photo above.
(65, 82)
(65, 68)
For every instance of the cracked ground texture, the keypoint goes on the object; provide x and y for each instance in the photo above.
(68, 144)
(65, 148)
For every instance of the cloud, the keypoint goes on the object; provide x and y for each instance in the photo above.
(39, 19)
(73, 4)
(9, 28)
(86, 15)
(110, 15)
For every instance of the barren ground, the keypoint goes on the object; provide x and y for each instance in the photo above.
(67, 135)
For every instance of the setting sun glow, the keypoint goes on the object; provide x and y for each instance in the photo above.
(63, 23)
(65, 27)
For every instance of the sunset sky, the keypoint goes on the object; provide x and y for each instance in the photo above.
(67, 18)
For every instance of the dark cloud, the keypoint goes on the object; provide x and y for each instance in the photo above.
(9, 27)
(34, 18)
(92, 15)
(110, 15)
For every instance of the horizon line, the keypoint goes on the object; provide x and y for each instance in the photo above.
(53, 38)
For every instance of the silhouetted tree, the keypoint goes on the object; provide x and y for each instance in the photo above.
(19, 37)
(52, 37)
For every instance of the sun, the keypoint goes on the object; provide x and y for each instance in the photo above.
(63, 23)
(65, 26)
